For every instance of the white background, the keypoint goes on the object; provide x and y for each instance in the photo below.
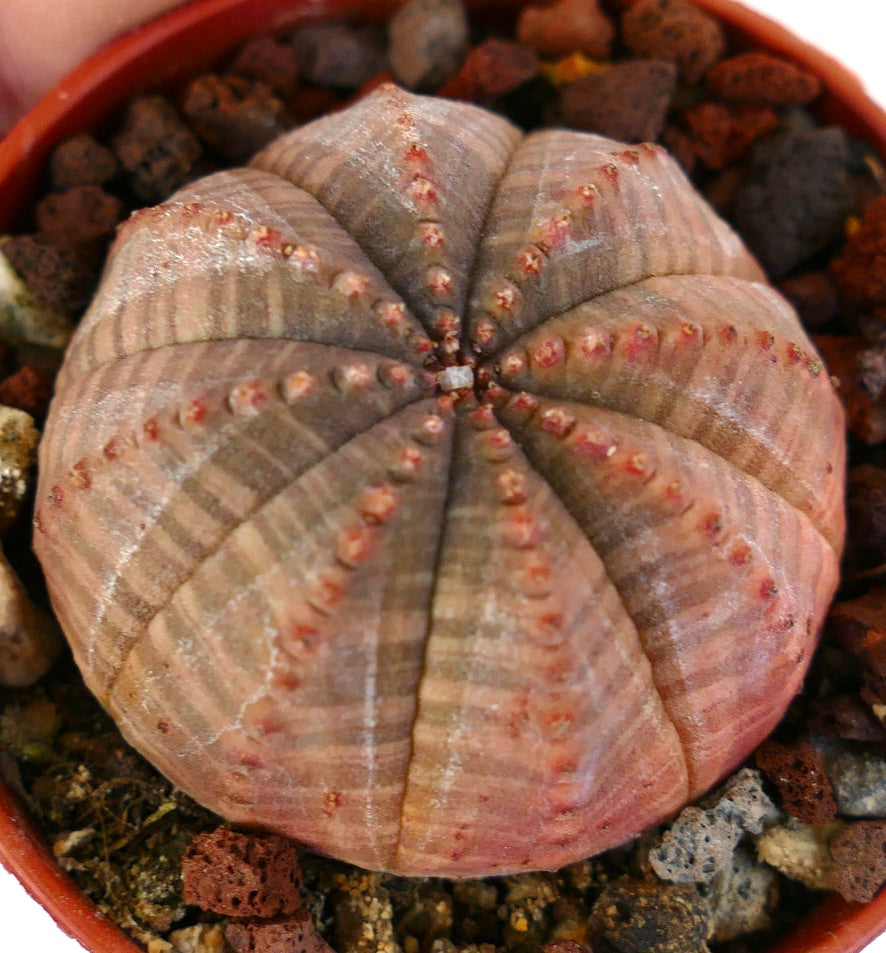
(845, 29)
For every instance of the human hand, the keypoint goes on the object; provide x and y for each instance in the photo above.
(41, 40)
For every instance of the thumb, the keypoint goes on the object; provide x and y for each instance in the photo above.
(41, 40)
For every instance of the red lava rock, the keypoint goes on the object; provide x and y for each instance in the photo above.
(295, 934)
(674, 30)
(797, 771)
(844, 716)
(762, 79)
(311, 102)
(721, 134)
(491, 70)
(567, 26)
(27, 389)
(859, 850)
(157, 150)
(84, 213)
(54, 270)
(860, 272)
(628, 101)
(861, 372)
(242, 874)
(679, 144)
(814, 297)
(80, 160)
(859, 626)
(233, 115)
(722, 189)
(269, 61)
(867, 510)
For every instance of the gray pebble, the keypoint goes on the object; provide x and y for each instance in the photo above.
(701, 841)
(742, 797)
(858, 780)
(695, 847)
(742, 897)
(428, 41)
(796, 197)
(342, 55)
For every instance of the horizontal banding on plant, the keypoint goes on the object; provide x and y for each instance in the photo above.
(415, 506)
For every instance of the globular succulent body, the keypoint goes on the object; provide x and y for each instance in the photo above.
(452, 501)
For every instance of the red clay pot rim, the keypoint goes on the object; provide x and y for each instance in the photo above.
(180, 43)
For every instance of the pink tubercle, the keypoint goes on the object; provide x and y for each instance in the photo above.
(594, 344)
(297, 386)
(587, 194)
(554, 232)
(536, 577)
(640, 341)
(351, 285)
(431, 235)
(728, 334)
(593, 445)
(266, 238)
(424, 193)
(482, 417)
(353, 545)
(332, 801)
(325, 593)
(711, 526)
(397, 377)
(530, 261)
(548, 352)
(485, 333)
(351, 378)
(415, 154)
(637, 464)
(556, 421)
(513, 364)
(549, 628)
(302, 639)
(523, 405)
(430, 430)
(391, 313)
(438, 281)
(379, 504)
(304, 258)
(80, 477)
(504, 299)
(193, 412)
(496, 445)
(689, 331)
(511, 487)
(520, 529)
(407, 463)
(248, 398)
(150, 431)
(609, 173)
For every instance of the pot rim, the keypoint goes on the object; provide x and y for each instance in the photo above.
(189, 38)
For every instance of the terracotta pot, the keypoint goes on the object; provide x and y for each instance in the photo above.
(180, 44)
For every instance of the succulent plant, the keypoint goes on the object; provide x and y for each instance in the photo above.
(449, 500)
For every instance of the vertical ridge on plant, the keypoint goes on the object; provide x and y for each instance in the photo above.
(464, 505)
